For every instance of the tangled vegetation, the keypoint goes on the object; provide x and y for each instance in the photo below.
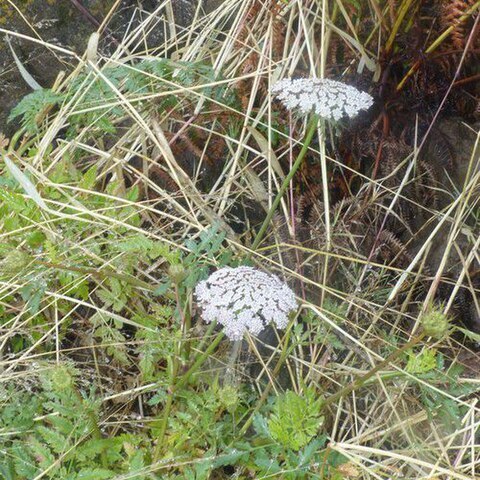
(141, 172)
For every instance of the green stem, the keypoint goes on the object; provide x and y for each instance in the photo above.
(177, 386)
(402, 11)
(199, 361)
(312, 126)
(184, 317)
(163, 427)
(359, 382)
(450, 29)
(285, 352)
(438, 41)
(207, 335)
(230, 378)
(15, 137)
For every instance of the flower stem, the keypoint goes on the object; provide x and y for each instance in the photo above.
(177, 386)
(312, 126)
(199, 361)
(230, 372)
(284, 353)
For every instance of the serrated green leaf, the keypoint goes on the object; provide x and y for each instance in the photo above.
(162, 289)
(421, 362)
(231, 457)
(296, 418)
(89, 178)
(32, 293)
(14, 201)
(42, 453)
(94, 474)
(53, 439)
(23, 462)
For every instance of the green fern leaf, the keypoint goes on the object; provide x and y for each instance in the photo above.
(94, 474)
(53, 439)
(296, 419)
(30, 107)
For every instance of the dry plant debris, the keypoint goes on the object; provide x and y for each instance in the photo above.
(154, 162)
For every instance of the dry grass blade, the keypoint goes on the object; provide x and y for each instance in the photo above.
(150, 166)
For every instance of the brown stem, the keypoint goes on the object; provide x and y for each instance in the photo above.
(86, 13)
(466, 80)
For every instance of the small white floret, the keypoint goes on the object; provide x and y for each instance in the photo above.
(245, 298)
(330, 99)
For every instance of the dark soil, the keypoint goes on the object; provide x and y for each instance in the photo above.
(67, 23)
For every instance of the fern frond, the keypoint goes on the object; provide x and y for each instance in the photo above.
(451, 16)
(33, 107)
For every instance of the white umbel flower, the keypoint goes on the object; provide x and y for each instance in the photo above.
(329, 99)
(244, 298)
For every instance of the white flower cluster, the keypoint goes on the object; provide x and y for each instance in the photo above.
(329, 99)
(244, 298)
